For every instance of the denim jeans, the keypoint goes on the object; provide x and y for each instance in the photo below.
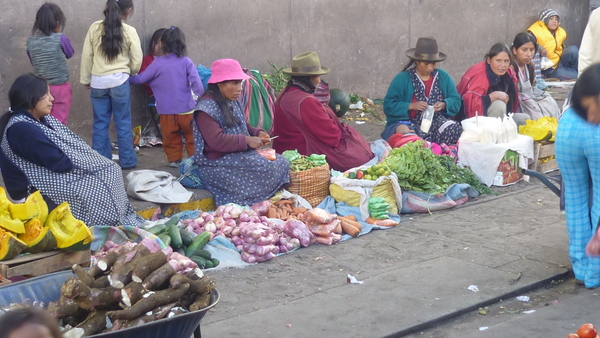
(567, 66)
(115, 102)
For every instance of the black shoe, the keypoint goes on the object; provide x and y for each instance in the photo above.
(128, 168)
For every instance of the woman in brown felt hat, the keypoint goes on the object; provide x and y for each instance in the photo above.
(305, 124)
(418, 86)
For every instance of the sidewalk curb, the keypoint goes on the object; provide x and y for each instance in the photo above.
(441, 320)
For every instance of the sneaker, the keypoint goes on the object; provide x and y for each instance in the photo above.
(175, 164)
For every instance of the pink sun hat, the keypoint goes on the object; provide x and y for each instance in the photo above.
(226, 70)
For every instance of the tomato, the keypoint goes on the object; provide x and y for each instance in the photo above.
(573, 335)
(587, 331)
(359, 174)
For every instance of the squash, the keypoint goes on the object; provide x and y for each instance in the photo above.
(37, 237)
(34, 207)
(339, 102)
(6, 221)
(10, 246)
(71, 234)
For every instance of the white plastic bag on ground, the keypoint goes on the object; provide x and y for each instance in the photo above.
(156, 186)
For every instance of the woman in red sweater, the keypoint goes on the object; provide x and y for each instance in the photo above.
(302, 122)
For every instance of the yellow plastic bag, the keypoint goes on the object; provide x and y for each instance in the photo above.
(543, 129)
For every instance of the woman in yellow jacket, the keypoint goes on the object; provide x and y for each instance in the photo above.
(551, 38)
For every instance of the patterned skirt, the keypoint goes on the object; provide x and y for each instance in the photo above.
(244, 178)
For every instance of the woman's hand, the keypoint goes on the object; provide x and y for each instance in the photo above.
(87, 86)
(266, 138)
(418, 106)
(255, 141)
(542, 51)
(439, 106)
(498, 95)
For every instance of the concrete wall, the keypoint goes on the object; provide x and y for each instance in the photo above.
(362, 41)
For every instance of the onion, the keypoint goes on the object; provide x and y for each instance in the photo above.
(209, 218)
(231, 223)
(239, 247)
(210, 227)
(246, 257)
(227, 209)
(244, 217)
(235, 211)
(220, 210)
(266, 257)
(189, 228)
(226, 230)
(283, 249)
(235, 231)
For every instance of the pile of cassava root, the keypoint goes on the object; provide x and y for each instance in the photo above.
(130, 286)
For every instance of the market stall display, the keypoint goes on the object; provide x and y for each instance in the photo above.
(132, 285)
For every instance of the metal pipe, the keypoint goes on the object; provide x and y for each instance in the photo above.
(544, 180)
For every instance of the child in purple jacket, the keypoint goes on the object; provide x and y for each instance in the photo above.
(172, 78)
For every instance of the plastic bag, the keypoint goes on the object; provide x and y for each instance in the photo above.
(427, 119)
(268, 153)
(545, 63)
(299, 230)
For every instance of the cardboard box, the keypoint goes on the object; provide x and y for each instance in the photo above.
(509, 171)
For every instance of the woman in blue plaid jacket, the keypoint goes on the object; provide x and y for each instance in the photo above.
(578, 156)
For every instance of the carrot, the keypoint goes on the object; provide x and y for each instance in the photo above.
(350, 217)
(349, 228)
(272, 212)
(353, 223)
(288, 208)
(299, 210)
(338, 228)
(282, 202)
(382, 222)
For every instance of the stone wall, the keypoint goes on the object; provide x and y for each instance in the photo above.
(362, 41)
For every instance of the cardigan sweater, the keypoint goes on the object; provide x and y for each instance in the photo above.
(401, 92)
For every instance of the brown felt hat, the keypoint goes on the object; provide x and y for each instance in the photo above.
(306, 64)
(426, 51)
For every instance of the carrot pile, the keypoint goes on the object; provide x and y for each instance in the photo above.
(284, 210)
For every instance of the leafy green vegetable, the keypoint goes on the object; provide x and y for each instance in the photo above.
(277, 79)
(303, 163)
(419, 169)
(354, 98)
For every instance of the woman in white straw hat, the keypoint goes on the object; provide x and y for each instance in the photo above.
(304, 123)
(418, 86)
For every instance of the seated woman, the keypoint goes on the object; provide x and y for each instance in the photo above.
(551, 38)
(532, 101)
(489, 87)
(418, 86)
(229, 165)
(302, 122)
(40, 153)
(577, 155)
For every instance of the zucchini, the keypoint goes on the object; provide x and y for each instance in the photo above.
(165, 239)
(181, 250)
(186, 237)
(202, 262)
(203, 253)
(198, 243)
(215, 262)
(157, 229)
(175, 236)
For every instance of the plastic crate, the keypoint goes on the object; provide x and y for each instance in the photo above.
(47, 289)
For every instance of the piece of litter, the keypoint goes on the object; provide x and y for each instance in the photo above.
(358, 105)
(288, 325)
(360, 122)
(523, 298)
(352, 280)
(319, 258)
(555, 302)
(473, 288)
(529, 311)
(483, 328)
(115, 157)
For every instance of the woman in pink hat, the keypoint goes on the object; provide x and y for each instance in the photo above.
(229, 165)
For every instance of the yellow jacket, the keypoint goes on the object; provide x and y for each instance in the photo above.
(93, 61)
(552, 43)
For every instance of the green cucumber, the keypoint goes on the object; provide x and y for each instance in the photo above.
(186, 237)
(165, 239)
(181, 250)
(157, 229)
(202, 253)
(202, 262)
(215, 262)
(175, 236)
(198, 243)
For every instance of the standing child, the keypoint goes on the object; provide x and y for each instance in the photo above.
(154, 49)
(111, 52)
(48, 50)
(172, 78)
